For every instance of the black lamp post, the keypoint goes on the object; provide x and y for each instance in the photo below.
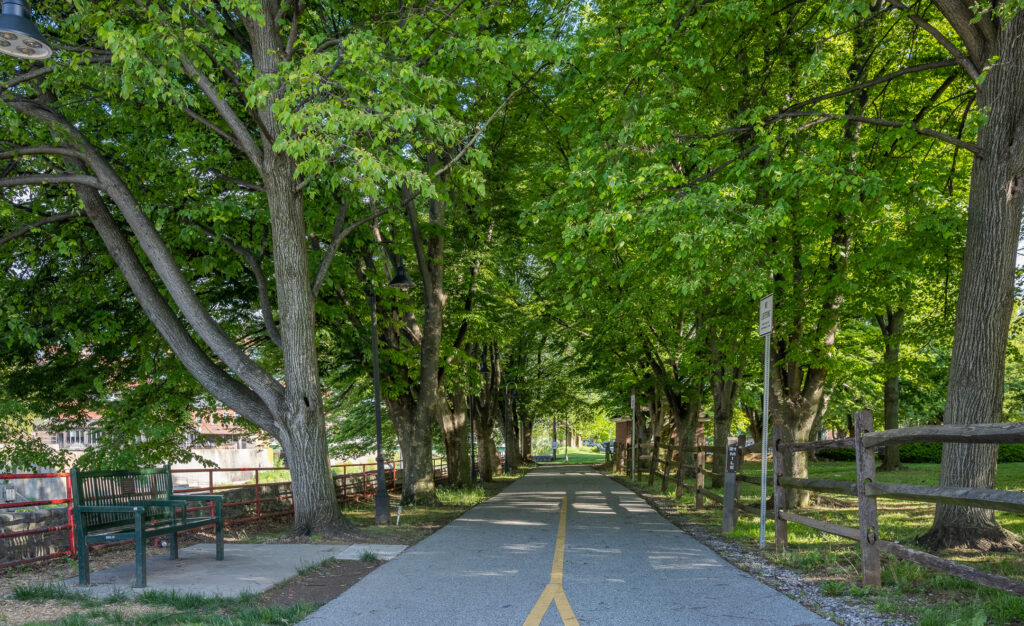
(19, 36)
(508, 444)
(472, 431)
(382, 507)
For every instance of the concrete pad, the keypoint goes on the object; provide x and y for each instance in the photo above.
(246, 567)
(383, 552)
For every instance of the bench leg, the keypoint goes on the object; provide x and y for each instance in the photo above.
(220, 539)
(140, 553)
(174, 545)
(83, 562)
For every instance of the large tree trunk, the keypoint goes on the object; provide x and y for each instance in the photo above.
(794, 412)
(414, 440)
(303, 426)
(455, 431)
(892, 333)
(985, 303)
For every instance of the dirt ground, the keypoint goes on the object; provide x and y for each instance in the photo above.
(321, 585)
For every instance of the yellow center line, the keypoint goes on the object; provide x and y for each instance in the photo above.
(553, 592)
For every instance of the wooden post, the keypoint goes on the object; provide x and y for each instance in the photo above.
(729, 509)
(654, 462)
(698, 497)
(778, 495)
(867, 507)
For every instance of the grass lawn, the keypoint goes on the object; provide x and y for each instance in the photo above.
(931, 597)
(585, 456)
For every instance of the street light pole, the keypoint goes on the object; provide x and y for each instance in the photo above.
(472, 440)
(508, 446)
(382, 506)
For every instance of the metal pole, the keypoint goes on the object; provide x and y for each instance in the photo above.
(764, 435)
(508, 446)
(472, 441)
(382, 507)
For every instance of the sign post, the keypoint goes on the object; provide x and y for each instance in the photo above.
(632, 438)
(766, 310)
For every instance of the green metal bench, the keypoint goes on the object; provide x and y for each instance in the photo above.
(120, 505)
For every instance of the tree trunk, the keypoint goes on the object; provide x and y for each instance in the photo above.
(794, 414)
(455, 432)
(985, 303)
(487, 452)
(724, 388)
(313, 488)
(316, 507)
(892, 331)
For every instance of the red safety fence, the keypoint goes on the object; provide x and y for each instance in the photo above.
(355, 482)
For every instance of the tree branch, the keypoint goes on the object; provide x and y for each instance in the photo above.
(825, 117)
(338, 237)
(482, 127)
(874, 81)
(970, 64)
(24, 230)
(40, 150)
(51, 179)
(261, 281)
(245, 141)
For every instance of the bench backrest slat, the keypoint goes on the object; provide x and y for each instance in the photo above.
(119, 488)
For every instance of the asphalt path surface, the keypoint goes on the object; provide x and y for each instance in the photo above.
(562, 544)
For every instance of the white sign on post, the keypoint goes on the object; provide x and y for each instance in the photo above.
(767, 308)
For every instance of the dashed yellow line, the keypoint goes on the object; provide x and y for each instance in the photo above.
(554, 592)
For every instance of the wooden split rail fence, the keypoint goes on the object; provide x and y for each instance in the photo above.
(865, 441)
(660, 461)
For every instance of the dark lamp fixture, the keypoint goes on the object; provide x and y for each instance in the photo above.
(402, 280)
(483, 367)
(19, 36)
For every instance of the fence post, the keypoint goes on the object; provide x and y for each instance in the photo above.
(778, 494)
(653, 469)
(71, 517)
(867, 508)
(729, 511)
(257, 470)
(698, 483)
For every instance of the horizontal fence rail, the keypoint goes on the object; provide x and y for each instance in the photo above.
(353, 483)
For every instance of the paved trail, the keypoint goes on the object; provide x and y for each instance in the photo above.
(563, 545)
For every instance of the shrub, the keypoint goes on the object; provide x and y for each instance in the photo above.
(837, 454)
(930, 452)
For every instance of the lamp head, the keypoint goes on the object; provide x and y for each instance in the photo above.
(19, 36)
(483, 367)
(402, 280)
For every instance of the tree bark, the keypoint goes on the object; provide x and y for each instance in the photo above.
(892, 333)
(455, 432)
(985, 302)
